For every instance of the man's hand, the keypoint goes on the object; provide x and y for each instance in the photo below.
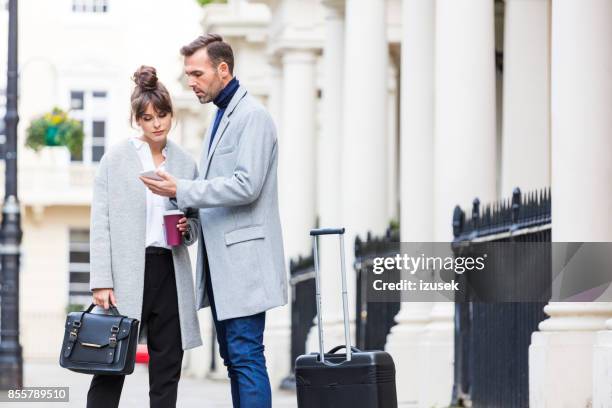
(104, 297)
(183, 226)
(165, 188)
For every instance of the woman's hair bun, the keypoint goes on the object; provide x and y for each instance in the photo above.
(146, 78)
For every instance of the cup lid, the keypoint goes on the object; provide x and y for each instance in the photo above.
(173, 212)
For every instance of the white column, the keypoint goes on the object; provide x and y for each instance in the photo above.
(435, 356)
(328, 180)
(297, 150)
(364, 133)
(526, 117)
(364, 173)
(602, 361)
(561, 365)
(416, 180)
(275, 95)
(296, 187)
(464, 151)
(392, 143)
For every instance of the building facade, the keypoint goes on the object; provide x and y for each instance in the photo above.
(79, 55)
(387, 110)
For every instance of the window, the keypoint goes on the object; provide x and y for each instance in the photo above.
(89, 6)
(77, 100)
(97, 144)
(79, 295)
(90, 108)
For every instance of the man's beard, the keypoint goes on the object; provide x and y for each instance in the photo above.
(209, 96)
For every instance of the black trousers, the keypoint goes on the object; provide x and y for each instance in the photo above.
(160, 316)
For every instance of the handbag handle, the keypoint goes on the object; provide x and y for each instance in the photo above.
(112, 308)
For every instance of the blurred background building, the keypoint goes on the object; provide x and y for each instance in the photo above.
(389, 112)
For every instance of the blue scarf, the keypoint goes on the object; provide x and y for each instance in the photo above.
(222, 101)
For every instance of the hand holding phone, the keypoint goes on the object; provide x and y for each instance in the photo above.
(151, 174)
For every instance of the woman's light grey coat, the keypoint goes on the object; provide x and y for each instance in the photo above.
(118, 234)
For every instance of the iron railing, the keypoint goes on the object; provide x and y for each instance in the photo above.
(303, 310)
(492, 339)
(374, 320)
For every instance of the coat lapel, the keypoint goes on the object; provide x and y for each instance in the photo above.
(137, 191)
(204, 159)
(225, 121)
(170, 167)
(222, 126)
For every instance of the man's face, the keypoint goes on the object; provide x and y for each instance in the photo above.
(202, 77)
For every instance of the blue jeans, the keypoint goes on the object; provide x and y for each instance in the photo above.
(241, 347)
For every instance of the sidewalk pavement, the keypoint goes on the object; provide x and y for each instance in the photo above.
(192, 392)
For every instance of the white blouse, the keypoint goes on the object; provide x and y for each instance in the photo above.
(156, 205)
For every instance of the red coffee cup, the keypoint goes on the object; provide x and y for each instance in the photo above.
(171, 219)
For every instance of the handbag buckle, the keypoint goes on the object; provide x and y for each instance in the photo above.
(113, 338)
(75, 330)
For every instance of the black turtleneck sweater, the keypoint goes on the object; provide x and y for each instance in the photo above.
(221, 101)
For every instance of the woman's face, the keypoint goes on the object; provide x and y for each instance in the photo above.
(155, 125)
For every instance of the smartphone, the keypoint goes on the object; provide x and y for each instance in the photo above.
(151, 174)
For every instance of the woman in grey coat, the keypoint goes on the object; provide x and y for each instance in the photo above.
(132, 267)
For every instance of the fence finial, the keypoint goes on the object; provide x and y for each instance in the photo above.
(516, 204)
(458, 221)
(476, 208)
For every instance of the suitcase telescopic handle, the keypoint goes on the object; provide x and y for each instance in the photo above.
(326, 231)
(315, 233)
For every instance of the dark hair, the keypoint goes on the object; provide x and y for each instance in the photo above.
(149, 90)
(218, 50)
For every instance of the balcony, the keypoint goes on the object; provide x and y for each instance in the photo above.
(49, 178)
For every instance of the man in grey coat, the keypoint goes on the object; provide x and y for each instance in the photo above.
(241, 265)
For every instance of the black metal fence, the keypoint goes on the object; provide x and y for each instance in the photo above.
(492, 339)
(374, 320)
(303, 310)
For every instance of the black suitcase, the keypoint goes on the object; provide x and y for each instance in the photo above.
(355, 378)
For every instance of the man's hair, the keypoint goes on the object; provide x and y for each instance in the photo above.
(218, 50)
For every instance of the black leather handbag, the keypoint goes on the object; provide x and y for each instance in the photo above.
(99, 343)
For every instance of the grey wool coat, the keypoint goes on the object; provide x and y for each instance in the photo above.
(236, 192)
(117, 247)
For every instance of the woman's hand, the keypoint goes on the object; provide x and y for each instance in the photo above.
(104, 297)
(183, 226)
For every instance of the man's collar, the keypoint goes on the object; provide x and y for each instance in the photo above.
(225, 96)
(240, 93)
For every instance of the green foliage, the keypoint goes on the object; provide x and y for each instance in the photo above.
(394, 225)
(55, 128)
(73, 307)
(207, 2)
